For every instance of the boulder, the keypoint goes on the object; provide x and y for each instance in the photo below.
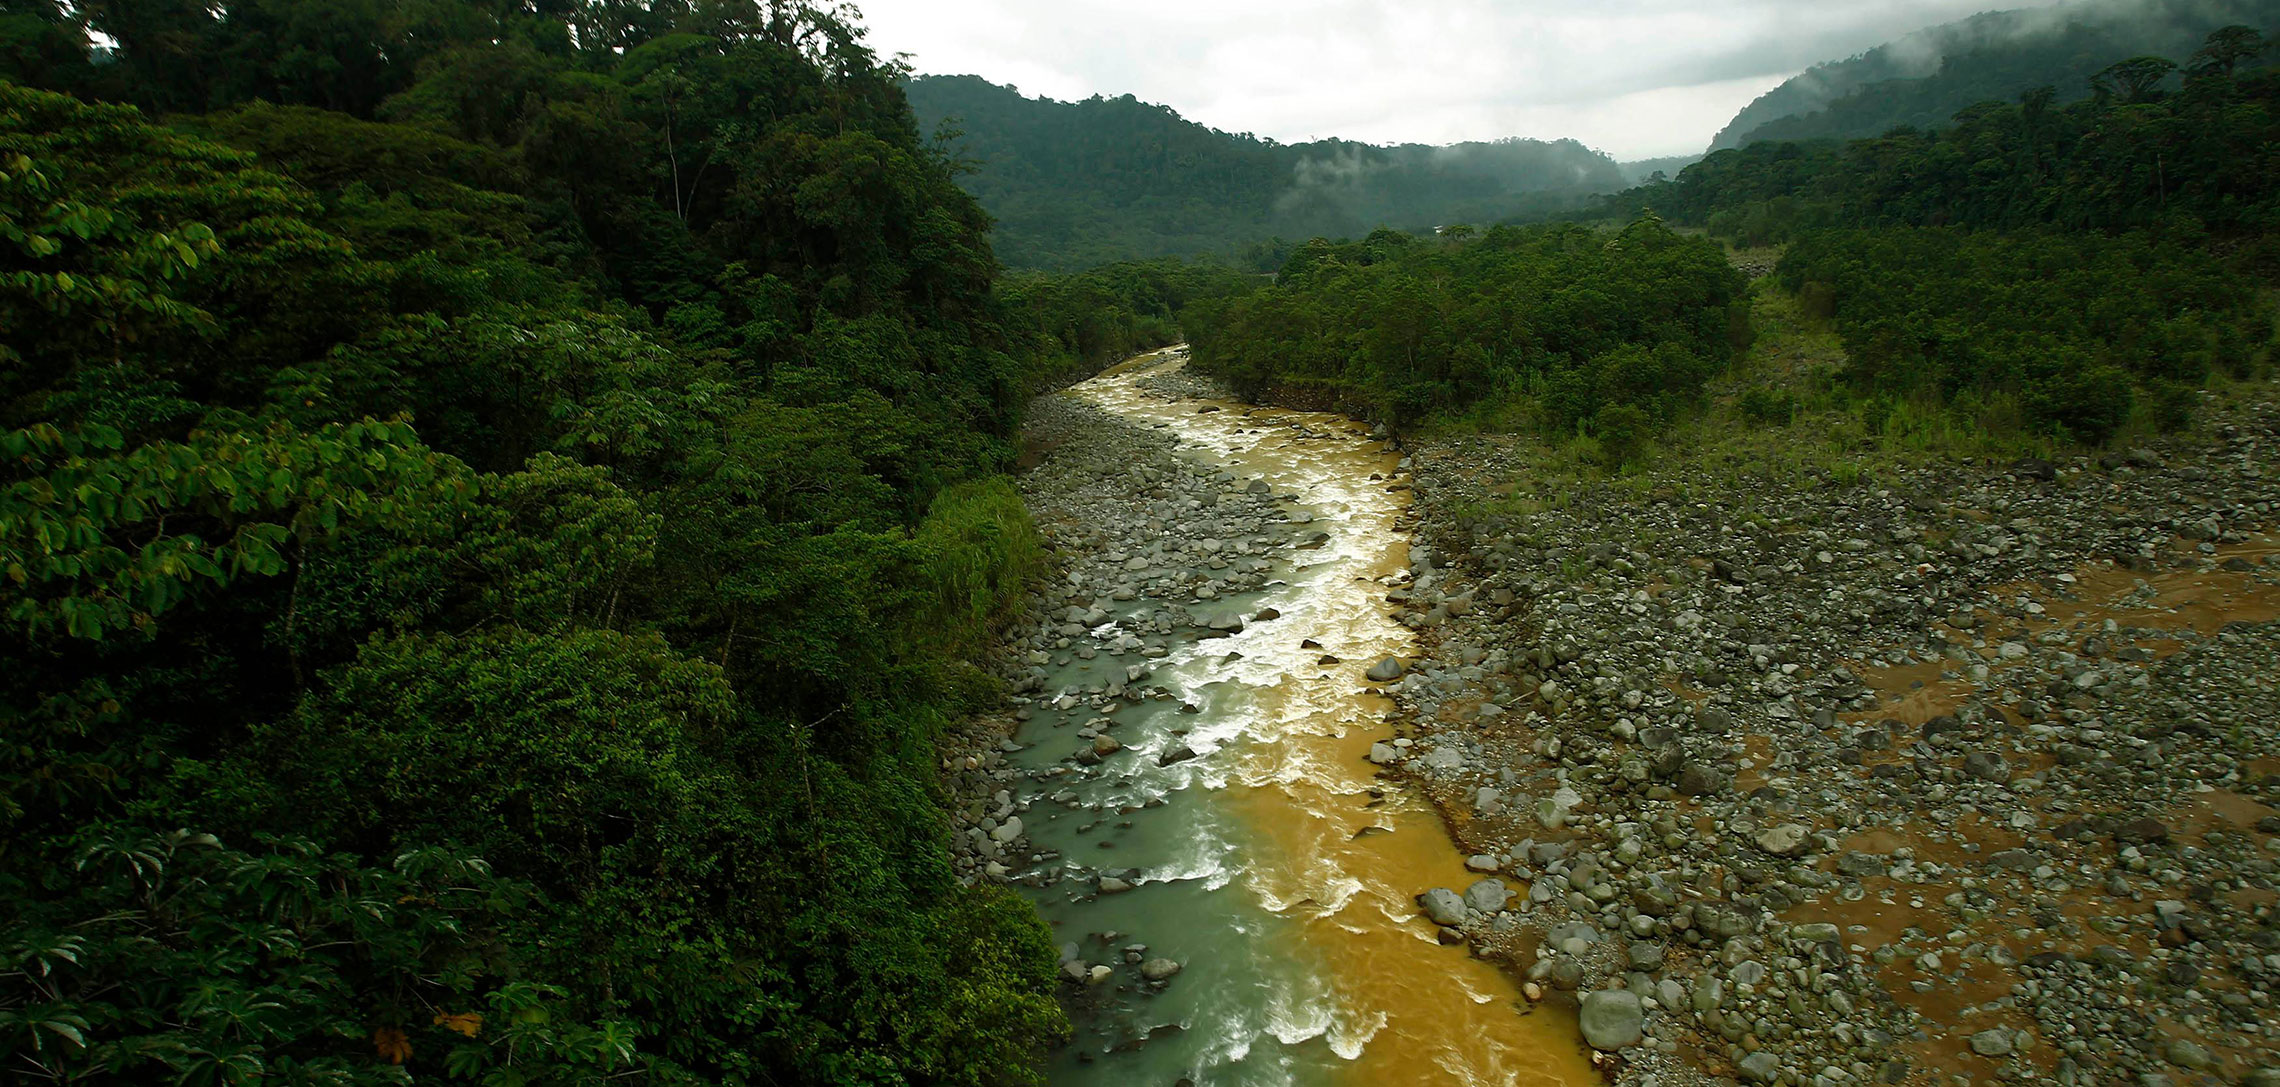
(1786, 840)
(1487, 895)
(1385, 671)
(1159, 969)
(1987, 766)
(1995, 1042)
(1443, 906)
(1612, 1019)
(1724, 920)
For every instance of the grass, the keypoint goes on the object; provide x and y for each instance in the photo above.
(1738, 453)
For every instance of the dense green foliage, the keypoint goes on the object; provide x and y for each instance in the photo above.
(521, 495)
(1923, 79)
(2201, 157)
(1074, 184)
(2063, 325)
(1571, 325)
(1086, 320)
(2053, 270)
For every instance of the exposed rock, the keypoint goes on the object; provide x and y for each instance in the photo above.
(1611, 1019)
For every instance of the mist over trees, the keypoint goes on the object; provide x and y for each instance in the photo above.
(2062, 264)
(1923, 79)
(1074, 184)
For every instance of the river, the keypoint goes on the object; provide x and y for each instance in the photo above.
(1277, 867)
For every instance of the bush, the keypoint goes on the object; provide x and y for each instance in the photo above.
(2087, 403)
(1768, 407)
(1622, 432)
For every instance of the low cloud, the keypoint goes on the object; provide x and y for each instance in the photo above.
(1636, 78)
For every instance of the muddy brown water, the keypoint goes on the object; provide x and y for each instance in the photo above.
(1306, 960)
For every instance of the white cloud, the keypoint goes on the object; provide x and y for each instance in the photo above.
(1636, 78)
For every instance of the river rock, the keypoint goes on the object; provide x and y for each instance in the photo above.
(1008, 830)
(1786, 840)
(1443, 906)
(1725, 921)
(1612, 1019)
(1159, 969)
(1385, 671)
(1488, 895)
(1995, 1042)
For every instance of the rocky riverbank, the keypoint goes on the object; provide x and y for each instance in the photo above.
(1950, 775)
(1150, 546)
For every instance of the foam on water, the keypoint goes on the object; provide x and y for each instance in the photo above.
(1311, 968)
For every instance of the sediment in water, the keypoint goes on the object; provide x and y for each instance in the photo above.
(1249, 840)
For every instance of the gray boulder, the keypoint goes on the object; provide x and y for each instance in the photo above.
(1786, 840)
(1612, 1019)
(1488, 895)
(1724, 920)
(1443, 906)
(1385, 671)
(1158, 969)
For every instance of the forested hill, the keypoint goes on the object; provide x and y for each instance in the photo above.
(1074, 184)
(496, 501)
(1923, 79)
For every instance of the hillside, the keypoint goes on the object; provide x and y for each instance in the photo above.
(1074, 184)
(1925, 78)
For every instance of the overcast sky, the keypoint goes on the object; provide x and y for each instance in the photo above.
(1634, 78)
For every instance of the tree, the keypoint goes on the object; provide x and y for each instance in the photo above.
(2226, 48)
(2135, 80)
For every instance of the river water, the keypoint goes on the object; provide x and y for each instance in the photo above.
(1272, 872)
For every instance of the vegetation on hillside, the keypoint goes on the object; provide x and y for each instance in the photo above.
(1921, 80)
(1565, 325)
(1075, 184)
(494, 512)
(2196, 159)
(2056, 270)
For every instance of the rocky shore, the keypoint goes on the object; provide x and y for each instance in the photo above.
(1149, 547)
(1968, 774)
(1954, 775)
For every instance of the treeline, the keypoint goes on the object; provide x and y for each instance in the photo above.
(1084, 321)
(1923, 79)
(2060, 330)
(2138, 153)
(2033, 268)
(1076, 184)
(1564, 325)
(489, 538)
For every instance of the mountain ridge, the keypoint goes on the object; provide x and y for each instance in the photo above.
(1112, 178)
(1925, 77)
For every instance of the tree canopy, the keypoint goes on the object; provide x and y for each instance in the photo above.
(520, 484)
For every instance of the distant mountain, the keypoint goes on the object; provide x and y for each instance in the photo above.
(1644, 170)
(1075, 184)
(1924, 79)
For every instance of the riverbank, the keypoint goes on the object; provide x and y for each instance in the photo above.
(1179, 782)
(1949, 771)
